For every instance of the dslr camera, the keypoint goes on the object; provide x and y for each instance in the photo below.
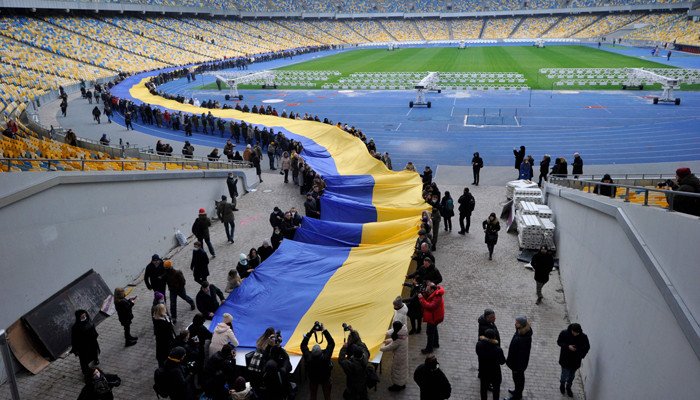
(318, 327)
(667, 182)
(346, 327)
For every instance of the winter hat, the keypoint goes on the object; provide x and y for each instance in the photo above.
(202, 211)
(177, 353)
(522, 320)
(167, 264)
(155, 257)
(247, 147)
(239, 384)
(243, 259)
(683, 172)
(398, 303)
(228, 318)
(158, 296)
(576, 154)
(421, 232)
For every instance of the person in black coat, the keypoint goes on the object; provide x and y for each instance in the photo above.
(447, 206)
(519, 156)
(519, 355)
(310, 207)
(219, 371)
(544, 169)
(574, 347)
(488, 321)
(318, 362)
(200, 263)
(206, 300)
(255, 159)
(154, 278)
(164, 332)
(491, 227)
(543, 263)
(232, 185)
(432, 381)
(124, 308)
(577, 165)
(477, 165)
(415, 309)
(176, 379)
(84, 341)
(353, 361)
(266, 250)
(466, 206)
(98, 386)
(490, 360)
(200, 229)
(605, 190)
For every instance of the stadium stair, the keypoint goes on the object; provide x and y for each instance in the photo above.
(483, 28)
(587, 26)
(449, 30)
(415, 26)
(544, 33)
(386, 30)
(355, 30)
(515, 28)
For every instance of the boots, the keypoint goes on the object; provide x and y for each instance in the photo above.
(568, 390)
(561, 388)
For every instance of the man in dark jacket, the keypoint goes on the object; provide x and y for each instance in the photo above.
(318, 362)
(432, 381)
(310, 207)
(544, 169)
(225, 212)
(519, 355)
(154, 278)
(124, 307)
(200, 229)
(426, 272)
(276, 217)
(355, 367)
(577, 165)
(488, 321)
(542, 262)
(232, 185)
(84, 341)
(519, 156)
(176, 380)
(200, 263)
(206, 299)
(220, 370)
(466, 207)
(574, 347)
(490, 360)
(686, 182)
(176, 283)
(477, 165)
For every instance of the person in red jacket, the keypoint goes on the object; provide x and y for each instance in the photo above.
(433, 314)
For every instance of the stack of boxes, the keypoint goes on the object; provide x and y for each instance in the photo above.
(533, 219)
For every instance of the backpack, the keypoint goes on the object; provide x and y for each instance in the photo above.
(472, 203)
(160, 385)
(372, 378)
(450, 205)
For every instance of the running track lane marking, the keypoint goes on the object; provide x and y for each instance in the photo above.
(409, 111)
(397, 128)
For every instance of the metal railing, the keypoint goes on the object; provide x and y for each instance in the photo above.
(587, 183)
(124, 165)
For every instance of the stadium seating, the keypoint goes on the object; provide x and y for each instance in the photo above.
(466, 28)
(499, 27)
(245, 43)
(434, 29)
(310, 30)
(667, 28)
(570, 25)
(533, 27)
(340, 30)
(371, 30)
(607, 24)
(402, 30)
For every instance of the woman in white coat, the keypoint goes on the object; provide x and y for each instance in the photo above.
(223, 334)
(398, 344)
(400, 311)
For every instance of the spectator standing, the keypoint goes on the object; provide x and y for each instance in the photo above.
(433, 314)
(311, 208)
(432, 381)
(84, 341)
(231, 184)
(200, 229)
(544, 169)
(96, 113)
(175, 379)
(435, 218)
(200, 263)
(488, 321)
(543, 263)
(233, 280)
(286, 164)
(400, 311)
(318, 363)
(574, 347)
(519, 156)
(415, 310)
(491, 358)
(124, 308)
(447, 210)
(353, 361)
(519, 355)
(207, 302)
(164, 331)
(577, 165)
(176, 283)
(466, 207)
(477, 165)
(397, 343)
(525, 170)
(491, 227)
(225, 212)
(255, 159)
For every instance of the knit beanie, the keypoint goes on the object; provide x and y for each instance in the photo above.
(683, 172)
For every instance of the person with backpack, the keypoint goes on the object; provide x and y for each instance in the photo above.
(432, 381)
(171, 380)
(477, 165)
(447, 207)
(466, 207)
(318, 362)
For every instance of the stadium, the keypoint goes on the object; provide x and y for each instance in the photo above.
(370, 106)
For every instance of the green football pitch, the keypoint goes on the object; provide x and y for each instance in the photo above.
(526, 60)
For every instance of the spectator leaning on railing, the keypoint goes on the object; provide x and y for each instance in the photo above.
(685, 182)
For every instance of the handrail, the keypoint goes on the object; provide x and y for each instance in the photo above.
(581, 183)
(123, 163)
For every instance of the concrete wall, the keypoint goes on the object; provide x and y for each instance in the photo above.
(110, 222)
(638, 347)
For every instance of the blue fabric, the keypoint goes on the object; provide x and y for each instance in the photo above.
(280, 290)
(358, 187)
(329, 233)
(346, 209)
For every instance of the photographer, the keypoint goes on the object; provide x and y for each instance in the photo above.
(685, 182)
(172, 379)
(219, 371)
(354, 363)
(318, 362)
(415, 310)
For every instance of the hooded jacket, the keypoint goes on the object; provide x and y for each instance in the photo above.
(519, 350)
(223, 334)
(84, 337)
(685, 204)
(490, 359)
(399, 363)
(434, 306)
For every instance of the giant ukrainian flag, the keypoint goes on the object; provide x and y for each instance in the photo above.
(347, 267)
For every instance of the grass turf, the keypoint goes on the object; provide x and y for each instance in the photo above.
(523, 59)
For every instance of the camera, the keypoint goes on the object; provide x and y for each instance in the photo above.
(346, 327)
(190, 367)
(318, 326)
(667, 182)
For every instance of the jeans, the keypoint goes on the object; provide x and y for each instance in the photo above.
(286, 176)
(491, 247)
(229, 227)
(207, 240)
(416, 324)
(476, 175)
(433, 337)
(448, 223)
(182, 293)
(483, 389)
(539, 289)
(567, 376)
(462, 218)
(519, 381)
